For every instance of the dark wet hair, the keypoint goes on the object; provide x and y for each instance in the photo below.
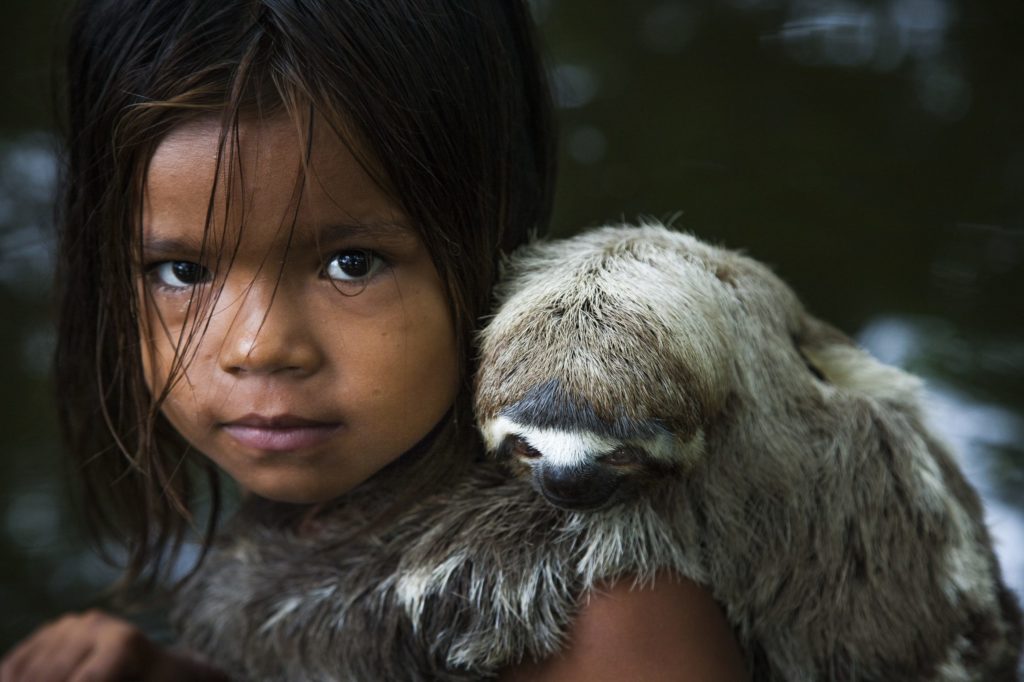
(449, 102)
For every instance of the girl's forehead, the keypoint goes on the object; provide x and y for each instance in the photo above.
(256, 151)
(261, 170)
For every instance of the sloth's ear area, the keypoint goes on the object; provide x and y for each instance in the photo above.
(835, 358)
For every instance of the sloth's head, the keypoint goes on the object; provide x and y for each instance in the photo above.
(632, 355)
(608, 356)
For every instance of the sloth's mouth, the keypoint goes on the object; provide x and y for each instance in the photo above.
(576, 505)
(577, 493)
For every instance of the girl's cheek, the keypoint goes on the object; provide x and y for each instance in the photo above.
(150, 354)
(155, 363)
(160, 327)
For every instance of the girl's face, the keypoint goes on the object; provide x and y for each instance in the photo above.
(329, 348)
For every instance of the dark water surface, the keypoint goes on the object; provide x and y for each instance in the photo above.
(872, 153)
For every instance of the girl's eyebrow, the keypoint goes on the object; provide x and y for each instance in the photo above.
(358, 229)
(170, 246)
(383, 230)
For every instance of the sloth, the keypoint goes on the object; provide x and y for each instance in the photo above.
(834, 528)
(650, 403)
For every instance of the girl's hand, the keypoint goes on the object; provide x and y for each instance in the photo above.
(97, 647)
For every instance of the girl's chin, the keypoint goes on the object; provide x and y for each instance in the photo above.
(297, 494)
(299, 482)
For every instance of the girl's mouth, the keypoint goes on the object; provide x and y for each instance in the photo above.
(281, 433)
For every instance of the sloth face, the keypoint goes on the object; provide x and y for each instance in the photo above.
(575, 460)
(607, 357)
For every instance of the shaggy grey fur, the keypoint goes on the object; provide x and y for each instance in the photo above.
(752, 449)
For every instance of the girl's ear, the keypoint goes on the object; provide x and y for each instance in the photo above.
(837, 359)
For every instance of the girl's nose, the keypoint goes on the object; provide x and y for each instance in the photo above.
(268, 335)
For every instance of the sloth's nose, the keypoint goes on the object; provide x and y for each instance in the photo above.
(577, 487)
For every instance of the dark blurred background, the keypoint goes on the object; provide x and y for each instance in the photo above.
(871, 152)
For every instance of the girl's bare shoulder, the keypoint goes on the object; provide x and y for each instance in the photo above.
(669, 631)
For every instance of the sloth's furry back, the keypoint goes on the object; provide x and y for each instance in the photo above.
(470, 580)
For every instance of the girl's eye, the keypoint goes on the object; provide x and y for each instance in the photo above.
(353, 265)
(179, 274)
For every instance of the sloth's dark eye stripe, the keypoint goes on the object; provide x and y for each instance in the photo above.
(549, 406)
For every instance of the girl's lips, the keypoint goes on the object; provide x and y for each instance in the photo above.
(279, 434)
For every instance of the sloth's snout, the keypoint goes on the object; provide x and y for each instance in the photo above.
(577, 488)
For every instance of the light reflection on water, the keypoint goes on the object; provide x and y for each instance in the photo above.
(32, 520)
(882, 36)
(28, 174)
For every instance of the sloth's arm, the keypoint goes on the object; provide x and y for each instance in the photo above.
(671, 632)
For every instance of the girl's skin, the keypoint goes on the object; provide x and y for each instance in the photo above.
(327, 351)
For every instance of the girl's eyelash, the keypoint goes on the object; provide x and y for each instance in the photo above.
(353, 266)
(177, 276)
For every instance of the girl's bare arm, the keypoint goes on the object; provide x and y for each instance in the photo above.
(671, 632)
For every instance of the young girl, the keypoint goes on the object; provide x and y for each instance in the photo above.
(281, 225)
